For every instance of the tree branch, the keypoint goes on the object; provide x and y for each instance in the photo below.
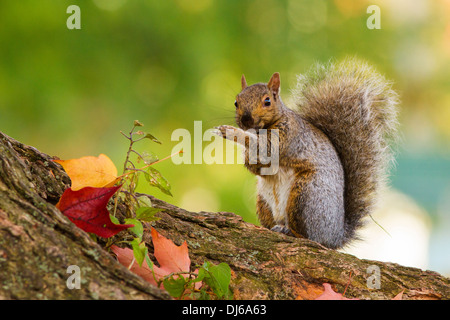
(38, 243)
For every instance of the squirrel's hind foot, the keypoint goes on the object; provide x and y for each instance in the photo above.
(282, 229)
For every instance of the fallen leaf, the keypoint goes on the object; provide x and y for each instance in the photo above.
(126, 258)
(329, 294)
(399, 296)
(307, 291)
(87, 209)
(99, 172)
(171, 258)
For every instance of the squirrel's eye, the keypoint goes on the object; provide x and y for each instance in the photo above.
(235, 104)
(267, 102)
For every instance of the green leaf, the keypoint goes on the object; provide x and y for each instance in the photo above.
(147, 214)
(222, 274)
(114, 219)
(151, 137)
(147, 135)
(138, 228)
(155, 178)
(200, 276)
(139, 250)
(148, 157)
(175, 287)
(147, 259)
(144, 201)
(218, 278)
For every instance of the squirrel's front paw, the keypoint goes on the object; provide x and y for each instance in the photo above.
(223, 129)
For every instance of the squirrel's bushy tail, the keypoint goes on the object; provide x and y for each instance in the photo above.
(357, 109)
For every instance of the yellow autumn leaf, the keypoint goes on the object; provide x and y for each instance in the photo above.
(90, 171)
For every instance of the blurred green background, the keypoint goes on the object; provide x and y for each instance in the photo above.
(169, 63)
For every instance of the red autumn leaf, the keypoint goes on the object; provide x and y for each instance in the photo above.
(87, 209)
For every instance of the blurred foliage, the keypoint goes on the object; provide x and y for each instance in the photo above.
(168, 63)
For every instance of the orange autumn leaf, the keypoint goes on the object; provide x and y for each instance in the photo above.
(171, 258)
(329, 294)
(99, 172)
(126, 258)
(399, 296)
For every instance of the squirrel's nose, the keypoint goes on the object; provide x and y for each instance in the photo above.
(247, 120)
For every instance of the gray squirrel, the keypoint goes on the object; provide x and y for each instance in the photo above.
(333, 151)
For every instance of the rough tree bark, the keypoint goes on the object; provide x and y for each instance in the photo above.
(38, 243)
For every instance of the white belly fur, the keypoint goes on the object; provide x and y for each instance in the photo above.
(275, 190)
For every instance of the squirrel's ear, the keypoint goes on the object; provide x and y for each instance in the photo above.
(243, 82)
(274, 83)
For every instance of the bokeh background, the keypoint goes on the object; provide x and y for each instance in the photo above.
(168, 63)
